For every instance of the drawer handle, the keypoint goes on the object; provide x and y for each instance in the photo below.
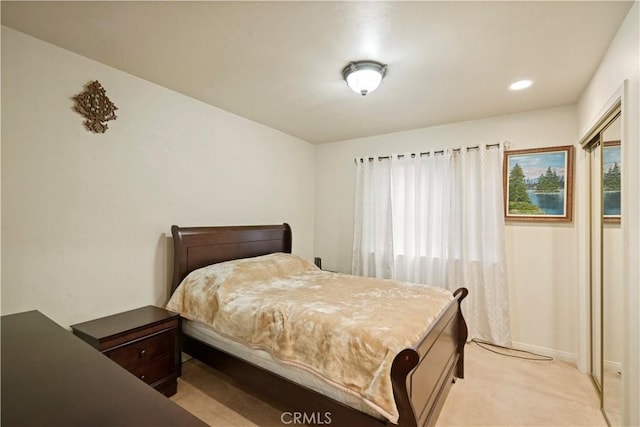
(142, 377)
(142, 353)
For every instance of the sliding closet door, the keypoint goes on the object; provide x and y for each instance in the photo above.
(605, 258)
(595, 169)
(612, 280)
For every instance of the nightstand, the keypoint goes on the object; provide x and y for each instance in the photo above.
(144, 341)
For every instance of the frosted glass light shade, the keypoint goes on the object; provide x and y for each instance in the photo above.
(364, 77)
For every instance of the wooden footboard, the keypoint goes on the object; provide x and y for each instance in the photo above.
(423, 375)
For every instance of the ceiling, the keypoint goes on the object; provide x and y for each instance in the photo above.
(280, 63)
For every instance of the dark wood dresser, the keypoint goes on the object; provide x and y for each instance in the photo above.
(52, 378)
(144, 341)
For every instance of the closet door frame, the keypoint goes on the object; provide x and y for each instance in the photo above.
(613, 110)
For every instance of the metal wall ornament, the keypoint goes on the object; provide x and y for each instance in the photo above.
(96, 107)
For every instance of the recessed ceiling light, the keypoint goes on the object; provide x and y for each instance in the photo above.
(521, 84)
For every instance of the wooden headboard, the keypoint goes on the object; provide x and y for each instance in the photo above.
(196, 247)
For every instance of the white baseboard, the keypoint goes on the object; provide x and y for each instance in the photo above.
(556, 354)
(612, 366)
(563, 355)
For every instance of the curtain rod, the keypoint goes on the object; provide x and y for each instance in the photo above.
(428, 153)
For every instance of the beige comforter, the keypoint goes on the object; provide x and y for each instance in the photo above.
(346, 329)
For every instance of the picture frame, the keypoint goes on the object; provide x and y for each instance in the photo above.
(538, 184)
(611, 182)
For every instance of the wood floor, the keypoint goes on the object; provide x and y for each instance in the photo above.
(497, 391)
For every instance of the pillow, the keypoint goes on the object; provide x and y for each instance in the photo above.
(204, 282)
(265, 267)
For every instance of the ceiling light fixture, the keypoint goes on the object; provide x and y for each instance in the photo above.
(364, 77)
(521, 84)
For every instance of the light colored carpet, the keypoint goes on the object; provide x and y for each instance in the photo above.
(504, 391)
(497, 391)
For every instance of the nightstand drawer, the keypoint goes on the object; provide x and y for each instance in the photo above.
(144, 341)
(155, 370)
(141, 352)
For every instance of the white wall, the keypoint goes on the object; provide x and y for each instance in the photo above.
(541, 258)
(622, 62)
(85, 216)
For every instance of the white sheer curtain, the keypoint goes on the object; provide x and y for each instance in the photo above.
(438, 219)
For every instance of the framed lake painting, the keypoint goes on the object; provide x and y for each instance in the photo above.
(611, 181)
(538, 184)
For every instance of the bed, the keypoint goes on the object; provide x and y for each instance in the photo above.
(420, 374)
